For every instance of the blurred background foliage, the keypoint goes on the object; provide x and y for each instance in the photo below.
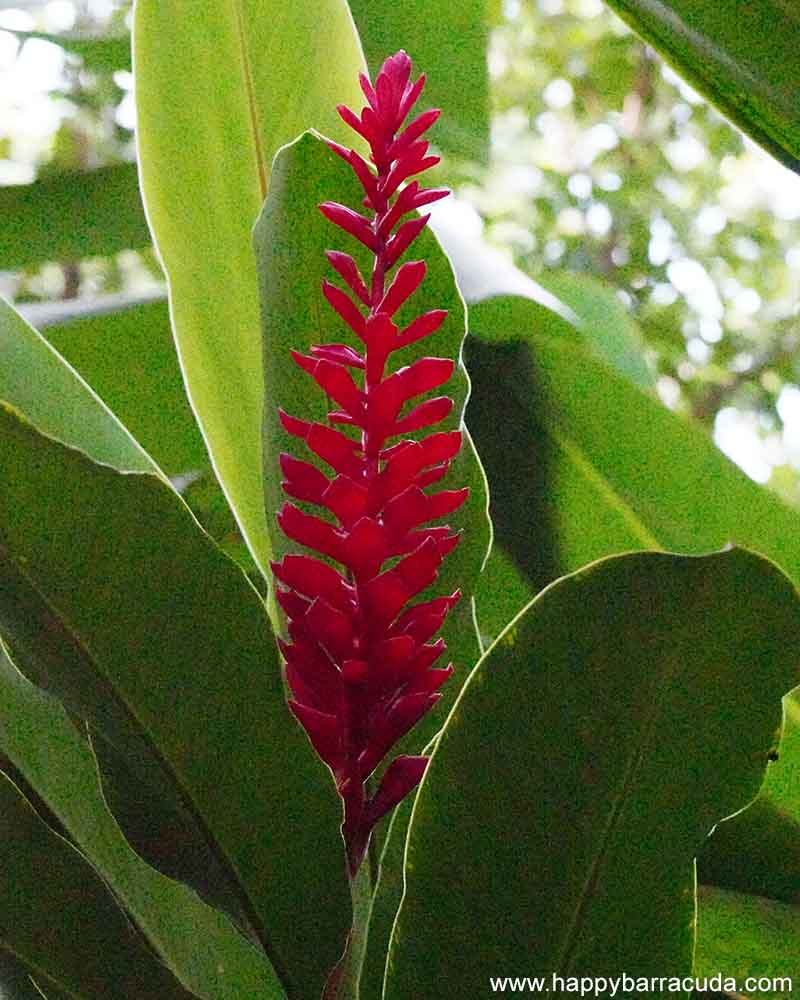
(609, 181)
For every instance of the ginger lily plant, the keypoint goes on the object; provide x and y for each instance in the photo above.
(580, 759)
(360, 663)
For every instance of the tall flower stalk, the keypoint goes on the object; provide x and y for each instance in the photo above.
(360, 660)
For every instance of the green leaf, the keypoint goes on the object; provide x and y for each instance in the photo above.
(291, 237)
(744, 62)
(168, 631)
(448, 43)
(60, 920)
(606, 326)
(37, 381)
(95, 213)
(197, 943)
(582, 464)
(632, 704)
(740, 936)
(128, 357)
(219, 88)
(99, 53)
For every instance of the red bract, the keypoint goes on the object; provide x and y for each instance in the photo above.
(360, 658)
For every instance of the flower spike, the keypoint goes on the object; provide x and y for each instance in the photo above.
(360, 658)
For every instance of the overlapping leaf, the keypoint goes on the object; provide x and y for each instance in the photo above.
(202, 948)
(633, 703)
(167, 634)
(85, 946)
(219, 88)
(37, 381)
(128, 357)
(582, 464)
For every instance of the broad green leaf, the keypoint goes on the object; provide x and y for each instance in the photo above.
(582, 464)
(197, 943)
(98, 53)
(448, 43)
(743, 59)
(606, 326)
(149, 611)
(58, 917)
(37, 381)
(128, 357)
(290, 237)
(572, 305)
(740, 936)
(219, 88)
(620, 716)
(94, 213)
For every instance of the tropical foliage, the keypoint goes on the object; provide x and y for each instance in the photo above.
(609, 782)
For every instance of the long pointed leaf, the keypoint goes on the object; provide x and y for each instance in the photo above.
(220, 86)
(206, 953)
(60, 920)
(128, 357)
(37, 381)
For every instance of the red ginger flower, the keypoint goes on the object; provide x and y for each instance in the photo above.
(360, 660)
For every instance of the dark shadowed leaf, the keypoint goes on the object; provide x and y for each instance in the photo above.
(633, 703)
(16, 982)
(59, 919)
(758, 851)
(582, 464)
(178, 645)
(206, 953)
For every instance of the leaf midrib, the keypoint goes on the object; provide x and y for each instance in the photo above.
(626, 786)
(247, 77)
